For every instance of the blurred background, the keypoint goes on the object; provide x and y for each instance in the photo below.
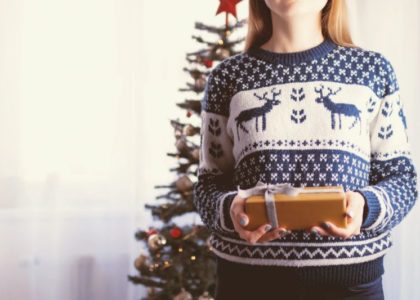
(87, 89)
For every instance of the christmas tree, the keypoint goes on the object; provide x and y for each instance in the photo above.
(178, 262)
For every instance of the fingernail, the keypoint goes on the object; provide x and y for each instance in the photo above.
(325, 225)
(281, 232)
(242, 221)
(350, 214)
(285, 232)
(267, 227)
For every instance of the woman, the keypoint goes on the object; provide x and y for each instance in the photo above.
(303, 105)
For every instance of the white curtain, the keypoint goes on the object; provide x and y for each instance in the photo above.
(87, 88)
(71, 129)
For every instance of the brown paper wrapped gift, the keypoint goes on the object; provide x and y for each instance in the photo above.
(294, 207)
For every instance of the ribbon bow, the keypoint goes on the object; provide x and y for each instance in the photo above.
(269, 190)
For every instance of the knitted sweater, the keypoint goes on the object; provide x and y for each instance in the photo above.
(328, 115)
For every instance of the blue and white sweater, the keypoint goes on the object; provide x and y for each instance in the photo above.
(329, 115)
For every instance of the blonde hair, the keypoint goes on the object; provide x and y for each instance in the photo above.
(334, 23)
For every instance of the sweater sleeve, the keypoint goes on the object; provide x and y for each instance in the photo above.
(214, 190)
(392, 189)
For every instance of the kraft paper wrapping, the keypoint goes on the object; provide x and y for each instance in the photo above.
(294, 208)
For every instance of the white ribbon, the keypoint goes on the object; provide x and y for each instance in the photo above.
(269, 190)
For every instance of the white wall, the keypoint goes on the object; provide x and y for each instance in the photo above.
(393, 28)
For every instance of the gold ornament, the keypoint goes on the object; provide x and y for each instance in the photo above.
(200, 83)
(196, 154)
(140, 261)
(151, 291)
(184, 183)
(183, 295)
(205, 296)
(189, 130)
(181, 145)
(222, 53)
(156, 241)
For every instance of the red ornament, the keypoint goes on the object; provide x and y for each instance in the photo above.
(208, 62)
(151, 231)
(228, 6)
(175, 232)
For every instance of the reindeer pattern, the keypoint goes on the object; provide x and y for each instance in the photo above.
(257, 112)
(402, 117)
(339, 109)
(299, 102)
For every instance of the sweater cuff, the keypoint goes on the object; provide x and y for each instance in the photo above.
(225, 219)
(372, 208)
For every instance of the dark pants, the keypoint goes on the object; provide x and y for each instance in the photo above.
(237, 281)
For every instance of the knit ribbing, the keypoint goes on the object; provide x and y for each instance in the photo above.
(291, 58)
(343, 275)
(312, 276)
(372, 208)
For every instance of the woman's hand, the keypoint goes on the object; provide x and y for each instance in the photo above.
(354, 212)
(240, 219)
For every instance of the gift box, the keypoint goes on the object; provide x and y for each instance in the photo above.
(294, 208)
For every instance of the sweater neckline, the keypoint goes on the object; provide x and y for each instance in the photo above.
(291, 58)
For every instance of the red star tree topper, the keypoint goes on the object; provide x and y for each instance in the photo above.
(228, 6)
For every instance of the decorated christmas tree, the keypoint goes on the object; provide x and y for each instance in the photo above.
(177, 261)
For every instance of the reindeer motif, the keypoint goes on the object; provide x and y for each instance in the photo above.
(256, 112)
(348, 110)
(402, 116)
(401, 113)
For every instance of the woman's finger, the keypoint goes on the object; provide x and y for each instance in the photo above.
(351, 207)
(258, 233)
(274, 234)
(319, 230)
(238, 212)
(337, 231)
(284, 231)
(271, 235)
(243, 233)
(240, 220)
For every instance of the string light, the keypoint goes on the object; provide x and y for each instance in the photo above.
(166, 264)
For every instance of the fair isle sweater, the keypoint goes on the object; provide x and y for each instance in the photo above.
(328, 115)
